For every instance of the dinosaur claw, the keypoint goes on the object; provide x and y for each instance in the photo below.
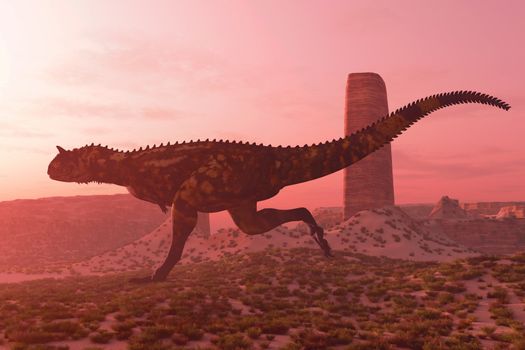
(326, 248)
(317, 234)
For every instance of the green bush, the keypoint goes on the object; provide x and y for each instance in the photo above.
(192, 331)
(500, 294)
(158, 331)
(236, 341)
(33, 336)
(253, 332)
(275, 326)
(101, 337)
(72, 329)
(179, 339)
(339, 336)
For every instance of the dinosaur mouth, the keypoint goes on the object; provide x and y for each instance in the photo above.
(88, 182)
(68, 178)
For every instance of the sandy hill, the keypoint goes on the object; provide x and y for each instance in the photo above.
(37, 232)
(385, 232)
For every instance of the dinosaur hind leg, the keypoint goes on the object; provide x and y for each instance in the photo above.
(253, 221)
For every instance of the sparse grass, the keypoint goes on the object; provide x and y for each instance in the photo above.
(101, 337)
(359, 303)
(236, 341)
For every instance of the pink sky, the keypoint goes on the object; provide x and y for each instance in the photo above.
(131, 73)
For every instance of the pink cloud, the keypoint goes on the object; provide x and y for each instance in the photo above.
(138, 64)
(95, 130)
(16, 131)
(163, 113)
(23, 148)
(486, 163)
(68, 107)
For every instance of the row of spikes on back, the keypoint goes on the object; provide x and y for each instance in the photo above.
(474, 97)
(487, 99)
(207, 140)
(490, 100)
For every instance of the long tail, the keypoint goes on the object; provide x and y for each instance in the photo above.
(306, 163)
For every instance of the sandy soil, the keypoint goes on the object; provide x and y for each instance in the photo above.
(381, 232)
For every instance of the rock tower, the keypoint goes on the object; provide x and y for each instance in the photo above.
(368, 184)
(203, 225)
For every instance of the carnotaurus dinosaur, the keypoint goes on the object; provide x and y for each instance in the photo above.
(211, 176)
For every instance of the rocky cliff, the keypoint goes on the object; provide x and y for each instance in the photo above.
(447, 208)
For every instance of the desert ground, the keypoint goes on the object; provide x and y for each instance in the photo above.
(395, 282)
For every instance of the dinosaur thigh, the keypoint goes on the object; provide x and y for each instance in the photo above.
(253, 221)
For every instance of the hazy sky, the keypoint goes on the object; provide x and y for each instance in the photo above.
(131, 73)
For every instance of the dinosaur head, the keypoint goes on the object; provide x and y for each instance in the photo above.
(78, 165)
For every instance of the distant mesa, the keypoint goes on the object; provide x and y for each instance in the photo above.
(488, 209)
(511, 212)
(447, 208)
(41, 232)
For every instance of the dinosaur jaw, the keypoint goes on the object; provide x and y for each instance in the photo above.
(82, 179)
(88, 182)
(87, 179)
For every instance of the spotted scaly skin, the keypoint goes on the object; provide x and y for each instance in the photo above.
(211, 176)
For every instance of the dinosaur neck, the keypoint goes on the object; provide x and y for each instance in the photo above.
(306, 163)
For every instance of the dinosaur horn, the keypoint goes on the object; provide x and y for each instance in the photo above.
(61, 150)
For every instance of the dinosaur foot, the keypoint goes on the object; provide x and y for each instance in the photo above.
(317, 233)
